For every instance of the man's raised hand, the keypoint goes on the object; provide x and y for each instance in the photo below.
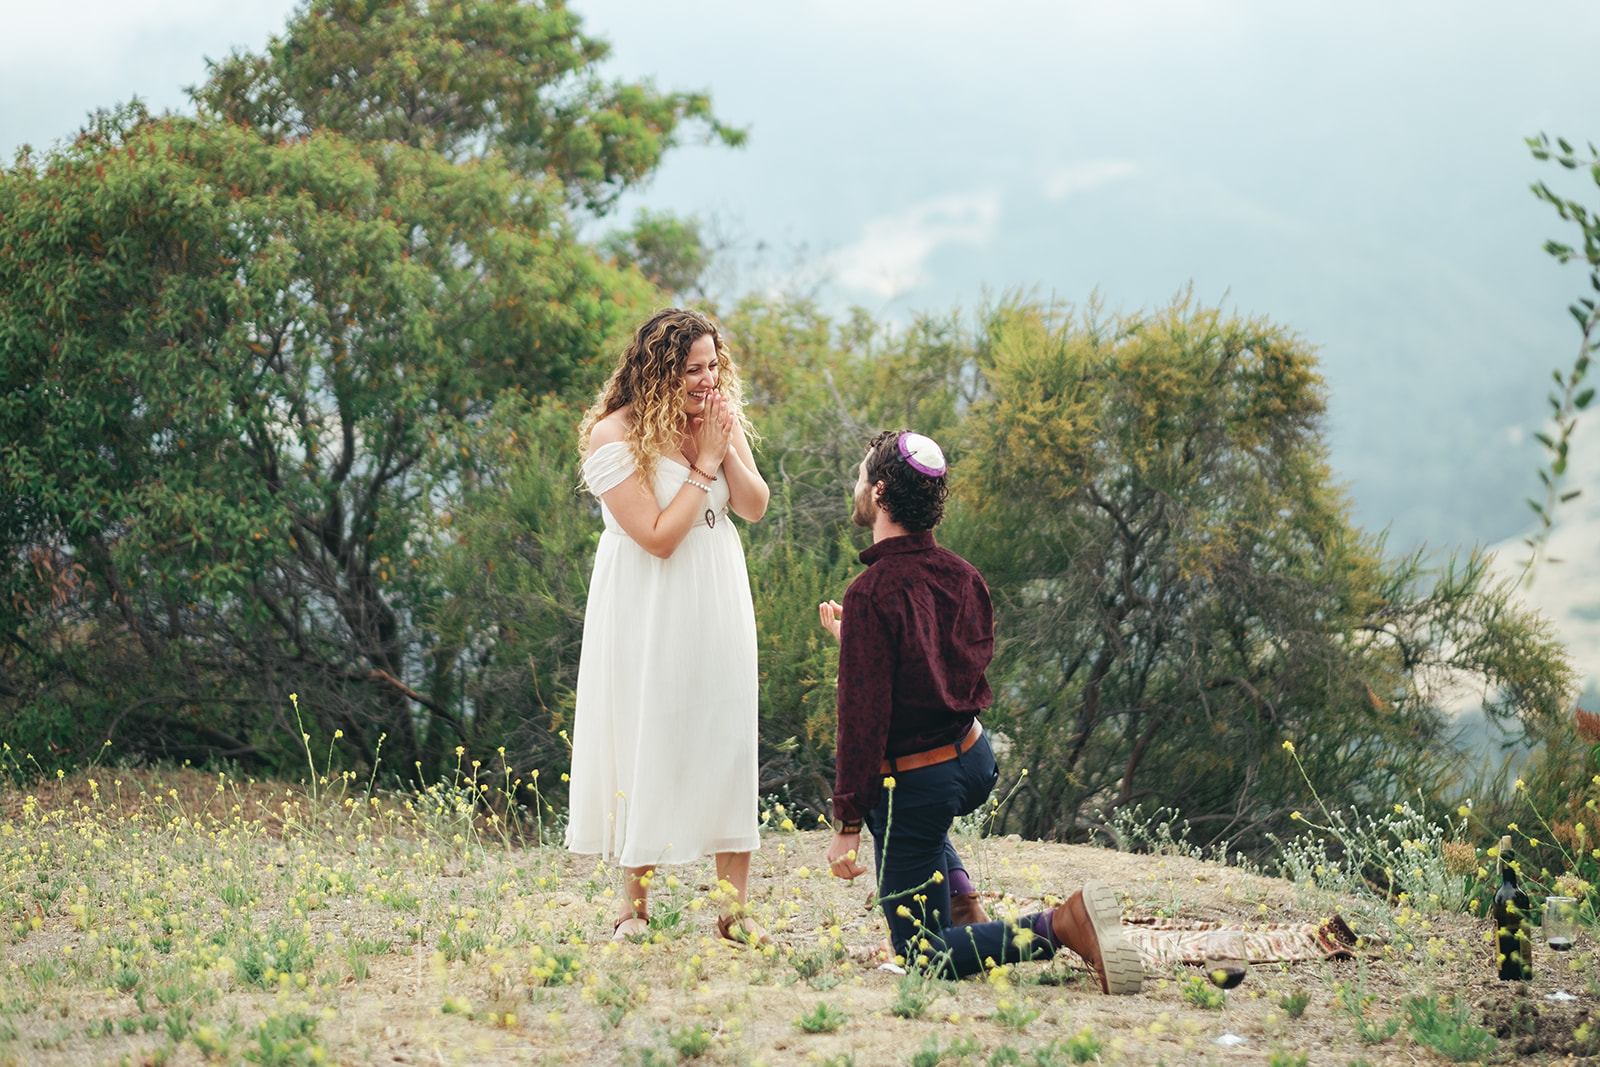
(832, 614)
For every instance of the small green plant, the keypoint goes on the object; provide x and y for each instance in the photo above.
(462, 944)
(1294, 1004)
(1449, 1031)
(186, 991)
(961, 1050)
(1005, 1056)
(613, 997)
(285, 1042)
(177, 1023)
(912, 996)
(929, 1054)
(357, 951)
(212, 1045)
(666, 917)
(282, 951)
(1355, 1000)
(964, 1048)
(645, 1056)
(812, 967)
(690, 1042)
(554, 967)
(808, 964)
(1014, 1015)
(1285, 1058)
(41, 974)
(1071, 1051)
(821, 1019)
(1084, 1046)
(1203, 994)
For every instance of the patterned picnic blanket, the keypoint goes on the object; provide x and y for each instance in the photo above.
(1162, 942)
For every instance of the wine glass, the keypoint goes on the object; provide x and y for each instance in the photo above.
(1560, 924)
(1225, 970)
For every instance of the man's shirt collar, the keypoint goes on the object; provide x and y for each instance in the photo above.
(892, 546)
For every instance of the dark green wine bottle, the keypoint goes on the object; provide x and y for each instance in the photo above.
(1513, 940)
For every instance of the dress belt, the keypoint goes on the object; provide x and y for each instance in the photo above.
(942, 754)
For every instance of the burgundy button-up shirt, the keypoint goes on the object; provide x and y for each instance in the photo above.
(918, 633)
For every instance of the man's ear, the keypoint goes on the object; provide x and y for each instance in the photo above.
(877, 492)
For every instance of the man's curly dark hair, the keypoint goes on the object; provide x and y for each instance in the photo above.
(912, 499)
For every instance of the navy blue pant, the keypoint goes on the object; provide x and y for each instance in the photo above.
(911, 841)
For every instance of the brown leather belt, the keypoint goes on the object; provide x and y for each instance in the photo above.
(942, 754)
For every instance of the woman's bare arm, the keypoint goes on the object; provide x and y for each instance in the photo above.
(657, 530)
(747, 491)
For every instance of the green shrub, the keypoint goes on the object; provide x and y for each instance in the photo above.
(912, 995)
(1202, 994)
(821, 1019)
(690, 1042)
(1449, 1031)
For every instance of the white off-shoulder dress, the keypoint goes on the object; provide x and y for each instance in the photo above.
(664, 738)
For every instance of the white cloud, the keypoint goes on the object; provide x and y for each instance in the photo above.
(892, 253)
(1081, 177)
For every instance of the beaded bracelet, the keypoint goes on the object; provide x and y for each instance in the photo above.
(697, 485)
(703, 474)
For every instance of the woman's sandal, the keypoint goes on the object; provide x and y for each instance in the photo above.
(742, 930)
(619, 934)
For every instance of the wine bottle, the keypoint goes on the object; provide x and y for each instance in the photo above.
(1514, 943)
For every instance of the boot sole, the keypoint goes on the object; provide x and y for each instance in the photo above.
(1124, 971)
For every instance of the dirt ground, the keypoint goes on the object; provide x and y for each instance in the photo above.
(420, 949)
(1159, 1024)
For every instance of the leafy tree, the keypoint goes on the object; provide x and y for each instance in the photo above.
(818, 392)
(243, 360)
(1180, 590)
(516, 566)
(465, 79)
(670, 251)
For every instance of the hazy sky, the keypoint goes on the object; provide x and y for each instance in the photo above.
(1354, 170)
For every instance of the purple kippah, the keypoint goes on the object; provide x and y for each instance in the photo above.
(923, 454)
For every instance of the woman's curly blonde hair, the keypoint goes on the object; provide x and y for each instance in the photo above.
(649, 376)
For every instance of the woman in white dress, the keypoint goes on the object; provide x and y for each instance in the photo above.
(664, 735)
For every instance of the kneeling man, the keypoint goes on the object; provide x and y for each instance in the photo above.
(916, 634)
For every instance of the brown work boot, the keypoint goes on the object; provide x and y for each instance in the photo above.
(1089, 923)
(966, 909)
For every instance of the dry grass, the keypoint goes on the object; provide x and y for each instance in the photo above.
(180, 917)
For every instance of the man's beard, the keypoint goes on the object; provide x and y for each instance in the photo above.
(864, 512)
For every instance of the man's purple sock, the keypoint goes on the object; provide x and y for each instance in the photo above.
(1045, 927)
(960, 884)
